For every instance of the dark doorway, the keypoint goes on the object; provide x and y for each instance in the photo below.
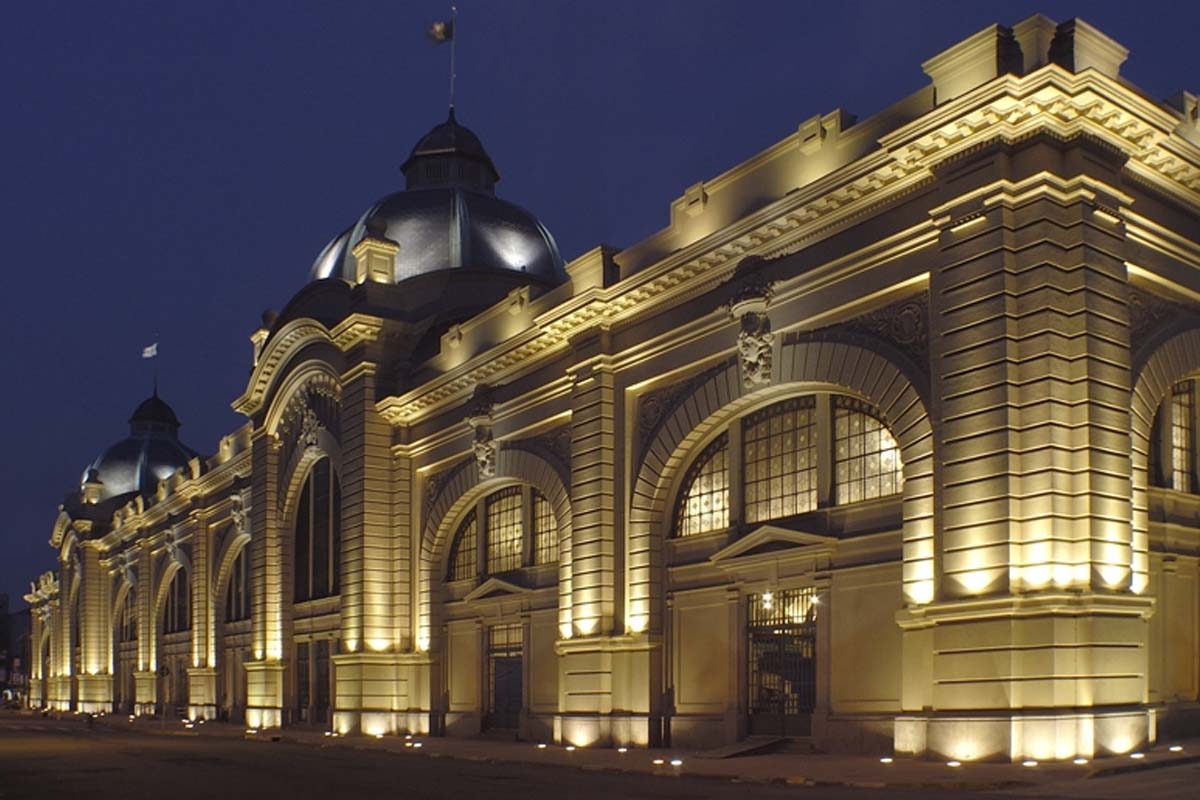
(782, 647)
(505, 652)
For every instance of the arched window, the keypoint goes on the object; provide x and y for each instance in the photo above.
(1173, 441)
(237, 593)
(177, 613)
(704, 503)
(866, 456)
(128, 629)
(503, 519)
(463, 556)
(792, 457)
(505, 531)
(545, 531)
(318, 534)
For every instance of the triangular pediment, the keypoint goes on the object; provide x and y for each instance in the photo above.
(495, 588)
(771, 540)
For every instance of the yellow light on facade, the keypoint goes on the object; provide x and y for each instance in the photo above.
(423, 641)
(638, 623)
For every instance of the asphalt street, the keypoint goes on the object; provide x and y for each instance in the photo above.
(48, 759)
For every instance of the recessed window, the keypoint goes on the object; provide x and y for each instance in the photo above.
(237, 594)
(318, 534)
(866, 456)
(1182, 409)
(129, 627)
(177, 613)
(783, 455)
(780, 460)
(545, 531)
(504, 531)
(518, 528)
(704, 504)
(463, 557)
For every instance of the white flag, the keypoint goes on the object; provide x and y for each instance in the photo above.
(151, 351)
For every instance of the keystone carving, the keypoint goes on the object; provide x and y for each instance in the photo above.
(174, 552)
(240, 513)
(310, 427)
(754, 350)
(127, 567)
(479, 417)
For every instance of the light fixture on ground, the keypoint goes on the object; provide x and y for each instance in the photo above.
(886, 760)
(1137, 756)
(1176, 748)
(953, 763)
(1080, 761)
(1029, 762)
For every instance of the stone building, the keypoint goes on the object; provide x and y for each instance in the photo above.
(888, 441)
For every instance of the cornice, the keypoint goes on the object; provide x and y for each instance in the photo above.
(1008, 108)
(352, 331)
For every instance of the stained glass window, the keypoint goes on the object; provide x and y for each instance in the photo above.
(704, 502)
(866, 457)
(780, 460)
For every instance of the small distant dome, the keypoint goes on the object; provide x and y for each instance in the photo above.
(449, 218)
(150, 453)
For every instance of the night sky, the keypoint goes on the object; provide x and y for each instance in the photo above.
(176, 167)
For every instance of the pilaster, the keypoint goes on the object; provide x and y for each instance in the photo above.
(202, 692)
(368, 549)
(96, 632)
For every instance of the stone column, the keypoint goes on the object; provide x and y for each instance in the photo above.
(1031, 368)
(366, 675)
(95, 632)
(264, 675)
(202, 674)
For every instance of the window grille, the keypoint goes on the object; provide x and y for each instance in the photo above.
(129, 626)
(545, 531)
(703, 504)
(866, 457)
(505, 532)
(462, 560)
(780, 460)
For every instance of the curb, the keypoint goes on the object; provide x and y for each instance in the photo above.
(1104, 772)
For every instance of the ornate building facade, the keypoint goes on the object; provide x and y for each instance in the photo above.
(887, 440)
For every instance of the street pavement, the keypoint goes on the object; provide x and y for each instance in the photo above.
(49, 758)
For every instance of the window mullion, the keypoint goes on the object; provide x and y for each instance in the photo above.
(825, 445)
(481, 537)
(736, 480)
(527, 523)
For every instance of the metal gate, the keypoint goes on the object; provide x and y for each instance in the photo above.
(505, 649)
(782, 647)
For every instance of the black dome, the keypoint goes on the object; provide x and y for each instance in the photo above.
(150, 453)
(449, 218)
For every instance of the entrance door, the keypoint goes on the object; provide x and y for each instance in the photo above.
(505, 651)
(782, 632)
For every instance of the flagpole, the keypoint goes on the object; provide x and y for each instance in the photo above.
(453, 40)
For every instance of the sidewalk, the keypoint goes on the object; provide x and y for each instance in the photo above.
(791, 768)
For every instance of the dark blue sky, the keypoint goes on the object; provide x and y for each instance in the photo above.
(175, 167)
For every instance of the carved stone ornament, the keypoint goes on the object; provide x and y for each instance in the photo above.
(754, 350)
(310, 427)
(127, 567)
(240, 512)
(174, 553)
(45, 588)
(42, 612)
(485, 452)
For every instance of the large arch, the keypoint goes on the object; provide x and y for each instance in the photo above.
(465, 486)
(1171, 362)
(803, 364)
